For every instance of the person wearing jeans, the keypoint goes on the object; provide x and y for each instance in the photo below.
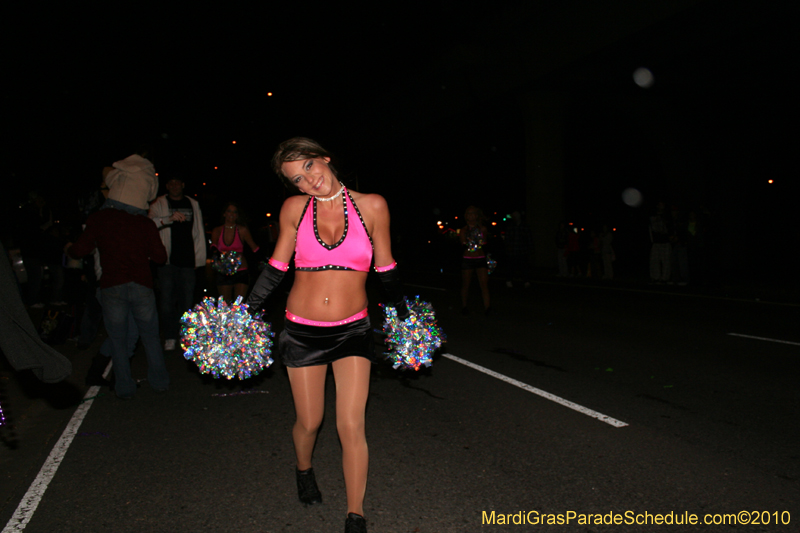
(120, 302)
(180, 226)
(127, 243)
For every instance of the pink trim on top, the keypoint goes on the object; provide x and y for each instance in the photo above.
(280, 265)
(353, 250)
(235, 246)
(386, 268)
(300, 320)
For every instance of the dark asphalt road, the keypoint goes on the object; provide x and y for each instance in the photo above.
(712, 427)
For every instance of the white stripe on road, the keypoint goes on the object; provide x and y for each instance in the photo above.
(539, 392)
(31, 500)
(764, 339)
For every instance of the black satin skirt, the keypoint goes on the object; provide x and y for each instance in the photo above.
(301, 345)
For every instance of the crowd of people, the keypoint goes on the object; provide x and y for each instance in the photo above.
(138, 255)
(134, 265)
(674, 244)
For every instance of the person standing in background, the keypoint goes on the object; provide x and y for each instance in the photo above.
(231, 237)
(562, 239)
(474, 237)
(519, 245)
(660, 250)
(606, 238)
(180, 224)
(126, 243)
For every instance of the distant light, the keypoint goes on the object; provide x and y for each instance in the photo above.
(643, 77)
(234, 142)
(438, 222)
(215, 168)
(456, 218)
(770, 181)
(494, 223)
(156, 174)
(632, 197)
(269, 94)
(570, 223)
(204, 184)
(613, 229)
(269, 214)
(582, 229)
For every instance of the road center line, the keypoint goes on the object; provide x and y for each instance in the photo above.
(31, 500)
(539, 392)
(764, 339)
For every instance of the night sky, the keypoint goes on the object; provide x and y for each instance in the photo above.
(421, 103)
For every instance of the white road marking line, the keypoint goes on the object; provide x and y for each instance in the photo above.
(764, 339)
(31, 500)
(539, 392)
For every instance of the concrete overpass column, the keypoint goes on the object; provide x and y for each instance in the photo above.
(544, 167)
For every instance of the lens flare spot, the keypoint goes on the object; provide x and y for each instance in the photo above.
(643, 77)
(632, 197)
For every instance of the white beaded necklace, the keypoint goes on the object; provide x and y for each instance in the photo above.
(328, 199)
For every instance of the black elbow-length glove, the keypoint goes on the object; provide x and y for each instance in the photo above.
(269, 279)
(394, 291)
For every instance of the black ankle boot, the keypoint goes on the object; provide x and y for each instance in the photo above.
(355, 523)
(307, 489)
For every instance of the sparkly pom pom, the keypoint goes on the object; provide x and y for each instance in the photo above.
(228, 263)
(2, 417)
(413, 340)
(225, 340)
(491, 264)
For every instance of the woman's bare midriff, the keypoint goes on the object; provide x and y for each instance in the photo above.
(344, 290)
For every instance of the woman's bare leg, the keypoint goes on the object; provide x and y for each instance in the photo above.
(466, 278)
(352, 390)
(239, 289)
(225, 291)
(483, 280)
(308, 391)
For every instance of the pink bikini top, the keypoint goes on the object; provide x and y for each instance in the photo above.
(235, 246)
(352, 252)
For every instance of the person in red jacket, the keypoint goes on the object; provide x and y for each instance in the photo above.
(127, 244)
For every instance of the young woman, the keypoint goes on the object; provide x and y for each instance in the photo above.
(335, 234)
(474, 237)
(230, 237)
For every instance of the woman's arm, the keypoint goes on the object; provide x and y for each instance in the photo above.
(272, 275)
(384, 262)
(381, 237)
(289, 219)
(215, 237)
(245, 235)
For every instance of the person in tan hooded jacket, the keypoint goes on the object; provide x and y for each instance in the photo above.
(132, 181)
